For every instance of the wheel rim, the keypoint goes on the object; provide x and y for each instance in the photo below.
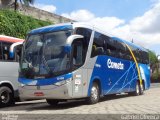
(4, 97)
(142, 88)
(94, 93)
(137, 88)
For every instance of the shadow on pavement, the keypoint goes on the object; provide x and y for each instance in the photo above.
(42, 105)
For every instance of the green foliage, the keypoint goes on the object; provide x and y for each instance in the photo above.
(156, 75)
(152, 57)
(18, 25)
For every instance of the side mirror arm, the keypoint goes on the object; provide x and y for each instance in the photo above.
(11, 51)
(71, 38)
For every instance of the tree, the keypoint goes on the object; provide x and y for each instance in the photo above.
(154, 66)
(25, 2)
(153, 60)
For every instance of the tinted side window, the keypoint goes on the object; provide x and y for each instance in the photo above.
(4, 51)
(5, 48)
(144, 57)
(110, 47)
(128, 55)
(115, 48)
(85, 42)
(121, 50)
(141, 56)
(138, 54)
(104, 45)
(98, 45)
(86, 33)
(77, 53)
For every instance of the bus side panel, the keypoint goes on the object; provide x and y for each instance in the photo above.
(9, 74)
(145, 74)
(87, 71)
(114, 80)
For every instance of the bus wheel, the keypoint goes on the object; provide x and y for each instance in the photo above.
(141, 89)
(52, 102)
(6, 96)
(137, 91)
(95, 94)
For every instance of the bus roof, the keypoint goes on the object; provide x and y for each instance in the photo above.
(10, 39)
(72, 25)
(52, 28)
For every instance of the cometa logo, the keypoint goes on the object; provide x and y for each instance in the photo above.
(115, 65)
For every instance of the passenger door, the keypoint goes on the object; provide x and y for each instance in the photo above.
(77, 62)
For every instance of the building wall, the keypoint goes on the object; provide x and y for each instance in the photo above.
(6, 3)
(35, 12)
(43, 15)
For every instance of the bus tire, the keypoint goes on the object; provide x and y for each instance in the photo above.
(94, 95)
(137, 91)
(52, 102)
(6, 96)
(141, 89)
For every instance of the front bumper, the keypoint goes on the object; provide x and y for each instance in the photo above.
(49, 92)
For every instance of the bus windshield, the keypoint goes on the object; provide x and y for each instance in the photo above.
(45, 55)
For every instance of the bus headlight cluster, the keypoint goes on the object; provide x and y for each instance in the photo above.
(22, 85)
(63, 82)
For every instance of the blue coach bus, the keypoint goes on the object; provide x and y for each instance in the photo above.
(76, 60)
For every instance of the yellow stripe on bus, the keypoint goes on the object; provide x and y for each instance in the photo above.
(134, 58)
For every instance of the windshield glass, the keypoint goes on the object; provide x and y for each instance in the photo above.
(46, 55)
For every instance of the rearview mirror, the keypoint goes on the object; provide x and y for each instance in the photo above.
(12, 48)
(71, 38)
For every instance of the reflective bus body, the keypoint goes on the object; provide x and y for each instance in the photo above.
(75, 60)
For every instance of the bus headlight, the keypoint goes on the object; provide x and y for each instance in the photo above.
(60, 83)
(63, 82)
(22, 85)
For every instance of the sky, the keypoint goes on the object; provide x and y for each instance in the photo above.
(128, 19)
